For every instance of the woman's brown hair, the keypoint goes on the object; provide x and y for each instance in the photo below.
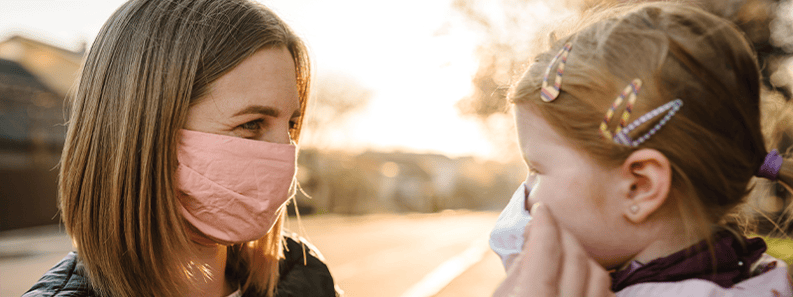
(714, 143)
(151, 60)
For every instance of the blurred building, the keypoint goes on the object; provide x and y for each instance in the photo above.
(35, 78)
(375, 182)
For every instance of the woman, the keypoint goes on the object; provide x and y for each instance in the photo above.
(179, 157)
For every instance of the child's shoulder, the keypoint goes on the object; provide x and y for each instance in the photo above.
(769, 278)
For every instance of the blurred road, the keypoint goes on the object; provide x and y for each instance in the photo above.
(407, 255)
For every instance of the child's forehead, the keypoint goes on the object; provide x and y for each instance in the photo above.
(535, 134)
(528, 118)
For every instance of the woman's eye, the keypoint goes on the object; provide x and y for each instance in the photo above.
(252, 125)
(292, 128)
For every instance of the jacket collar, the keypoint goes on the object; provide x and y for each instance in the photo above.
(732, 263)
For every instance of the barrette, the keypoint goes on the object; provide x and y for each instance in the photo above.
(632, 91)
(670, 108)
(549, 93)
(771, 165)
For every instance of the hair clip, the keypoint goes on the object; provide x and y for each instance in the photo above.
(670, 108)
(635, 87)
(771, 165)
(632, 89)
(549, 93)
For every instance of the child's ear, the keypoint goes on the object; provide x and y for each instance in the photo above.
(649, 179)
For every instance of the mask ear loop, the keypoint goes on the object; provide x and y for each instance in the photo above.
(670, 108)
(632, 89)
(549, 93)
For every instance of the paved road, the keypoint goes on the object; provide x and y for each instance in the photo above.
(443, 254)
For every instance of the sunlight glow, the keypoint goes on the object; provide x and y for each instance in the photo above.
(415, 59)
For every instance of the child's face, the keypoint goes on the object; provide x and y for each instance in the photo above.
(580, 194)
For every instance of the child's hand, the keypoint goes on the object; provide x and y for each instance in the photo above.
(553, 263)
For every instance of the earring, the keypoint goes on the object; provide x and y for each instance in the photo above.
(634, 209)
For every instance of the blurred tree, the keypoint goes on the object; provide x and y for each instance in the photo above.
(509, 29)
(336, 187)
(336, 97)
(512, 31)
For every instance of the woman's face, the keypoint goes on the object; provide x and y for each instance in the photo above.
(257, 100)
(579, 193)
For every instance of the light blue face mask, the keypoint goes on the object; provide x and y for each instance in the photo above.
(506, 239)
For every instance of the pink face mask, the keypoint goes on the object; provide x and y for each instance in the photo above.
(231, 188)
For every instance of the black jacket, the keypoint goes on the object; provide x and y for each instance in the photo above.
(69, 277)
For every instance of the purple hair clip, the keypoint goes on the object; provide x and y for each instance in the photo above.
(670, 108)
(771, 165)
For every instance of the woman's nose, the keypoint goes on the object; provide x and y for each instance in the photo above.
(284, 138)
(280, 135)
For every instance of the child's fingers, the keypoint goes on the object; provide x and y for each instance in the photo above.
(575, 269)
(543, 251)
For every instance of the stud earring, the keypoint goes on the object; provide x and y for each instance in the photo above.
(634, 209)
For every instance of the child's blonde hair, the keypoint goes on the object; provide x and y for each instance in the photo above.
(714, 143)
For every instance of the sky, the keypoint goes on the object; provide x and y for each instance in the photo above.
(414, 55)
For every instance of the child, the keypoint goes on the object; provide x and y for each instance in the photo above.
(642, 134)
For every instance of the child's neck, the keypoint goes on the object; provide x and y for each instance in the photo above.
(666, 241)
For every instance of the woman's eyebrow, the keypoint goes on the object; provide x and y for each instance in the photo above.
(264, 110)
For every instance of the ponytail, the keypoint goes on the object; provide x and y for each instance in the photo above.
(785, 176)
(785, 179)
(772, 197)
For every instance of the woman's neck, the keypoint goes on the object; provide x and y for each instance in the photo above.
(209, 272)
